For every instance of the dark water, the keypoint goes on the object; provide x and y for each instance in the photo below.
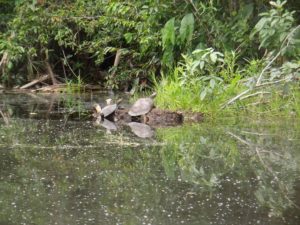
(58, 167)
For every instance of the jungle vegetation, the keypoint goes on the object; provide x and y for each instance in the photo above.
(200, 55)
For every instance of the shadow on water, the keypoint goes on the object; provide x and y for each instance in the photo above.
(63, 169)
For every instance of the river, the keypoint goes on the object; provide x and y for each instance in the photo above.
(58, 166)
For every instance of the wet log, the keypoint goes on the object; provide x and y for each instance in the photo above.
(154, 117)
(163, 117)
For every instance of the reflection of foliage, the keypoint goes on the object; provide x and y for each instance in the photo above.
(207, 157)
(198, 157)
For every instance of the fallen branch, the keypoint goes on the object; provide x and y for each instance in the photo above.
(32, 83)
(53, 88)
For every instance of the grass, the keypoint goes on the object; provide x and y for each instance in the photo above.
(282, 100)
(74, 86)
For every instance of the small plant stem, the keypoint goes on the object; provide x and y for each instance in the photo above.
(255, 94)
(271, 83)
(68, 63)
(235, 98)
(194, 7)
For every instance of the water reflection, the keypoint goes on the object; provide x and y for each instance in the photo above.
(141, 130)
(67, 171)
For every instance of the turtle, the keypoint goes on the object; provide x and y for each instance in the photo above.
(142, 106)
(110, 108)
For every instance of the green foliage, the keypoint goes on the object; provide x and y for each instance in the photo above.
(6, 13)
(171, 40)
(168, 42)
(274, 26)
(186, 30)
(84, 30)
(77, 86)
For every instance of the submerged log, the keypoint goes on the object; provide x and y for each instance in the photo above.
(163, 117)
(154, 117)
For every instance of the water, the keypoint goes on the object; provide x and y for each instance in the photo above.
(58, 167)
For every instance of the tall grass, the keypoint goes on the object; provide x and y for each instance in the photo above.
(171, 94)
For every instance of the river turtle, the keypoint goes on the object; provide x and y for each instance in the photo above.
(142, 106)
(110, 108)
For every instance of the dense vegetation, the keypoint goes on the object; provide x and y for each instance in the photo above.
(198, 55)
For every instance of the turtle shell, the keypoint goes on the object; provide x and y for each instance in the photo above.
(108, 110)
(141, 107)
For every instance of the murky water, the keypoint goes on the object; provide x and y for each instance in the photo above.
(57, 166)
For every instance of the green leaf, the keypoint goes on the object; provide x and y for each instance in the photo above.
(203, 94)
(213, 57)
(168, 33)
(187, 28)
(202, 63)
(168, 57)
(128, 37)
(212, 83)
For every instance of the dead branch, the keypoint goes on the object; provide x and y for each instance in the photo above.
(117, 61)
(50, 72)
(5, 118)
(38, 80)
(3, 62)
(67, 63)
(53, 88)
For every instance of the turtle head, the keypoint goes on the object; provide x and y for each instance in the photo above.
(97, 108)
(108, 101)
